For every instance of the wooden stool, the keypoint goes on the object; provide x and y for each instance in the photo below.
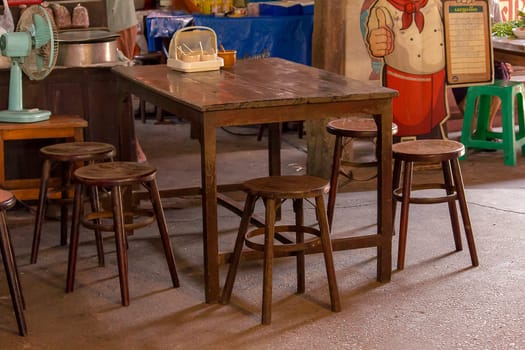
(7, 200)
(70, 155)
(117, 176)
(273, 191)
(351, 128)
(446, 152)
(478, 135)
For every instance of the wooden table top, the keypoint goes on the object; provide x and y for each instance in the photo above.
(253, 83)
(54, 122)
(509, 50)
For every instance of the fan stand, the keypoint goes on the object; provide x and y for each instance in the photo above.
(15, 112)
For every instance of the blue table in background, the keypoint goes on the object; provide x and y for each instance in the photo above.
(163, 24)
(288, 37)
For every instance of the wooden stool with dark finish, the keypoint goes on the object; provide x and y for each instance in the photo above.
(447, 153)
(7, 200)
(273, 191)
(70, 155)
(118, 177)
(350, 129)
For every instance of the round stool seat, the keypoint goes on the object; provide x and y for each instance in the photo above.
(428, 150)
(7, 200)
(81, 151)
(355, 127)
(115, 173)
(287, 186)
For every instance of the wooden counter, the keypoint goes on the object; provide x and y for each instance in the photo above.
(90, 93)
(67, 127)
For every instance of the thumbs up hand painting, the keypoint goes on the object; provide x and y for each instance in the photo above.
(381, 39)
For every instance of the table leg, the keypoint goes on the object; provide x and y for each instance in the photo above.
(274, 149)
(208, 141)
(384, 194)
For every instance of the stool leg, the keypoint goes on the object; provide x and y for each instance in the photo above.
(249, 206)
(403, 224)
(95, 208)
(509, 135)
(336, 164)
(396, 177)
(328, 256)
(120, 241)
(11, 272)
(269, 235)
(73, 242)
(42, 201)
(482, 123)
(468, 121)
(521, 120)
(458, 180)
(299, 238)
(453, 211)
(163, 230)
(66, 180)
(142, 110)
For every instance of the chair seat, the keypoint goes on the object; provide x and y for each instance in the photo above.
(355, 127)
(115, 173)
(78, 151)
(428, 150)
(287, 186)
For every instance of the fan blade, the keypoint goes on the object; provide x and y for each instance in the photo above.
(42, 33)
(39, 63)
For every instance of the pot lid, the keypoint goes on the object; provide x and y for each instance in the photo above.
(86, 36)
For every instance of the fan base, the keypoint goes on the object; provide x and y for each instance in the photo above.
(24, 116)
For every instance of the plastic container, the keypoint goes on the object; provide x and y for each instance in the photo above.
(229, 57)
(194, 49)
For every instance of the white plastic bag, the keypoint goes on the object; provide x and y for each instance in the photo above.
(6, 19)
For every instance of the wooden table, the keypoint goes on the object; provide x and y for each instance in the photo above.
(266, 91)
(509, 50)
(67, 127)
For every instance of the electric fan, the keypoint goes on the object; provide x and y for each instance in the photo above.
(33, 49)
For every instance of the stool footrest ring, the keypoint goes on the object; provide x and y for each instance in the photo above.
(426, 200)
(291, 247)
(146, 217)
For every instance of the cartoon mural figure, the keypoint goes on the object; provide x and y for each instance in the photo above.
(408, 35)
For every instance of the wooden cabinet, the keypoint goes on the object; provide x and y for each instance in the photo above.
(90, 93)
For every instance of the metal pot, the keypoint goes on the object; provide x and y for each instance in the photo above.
(86, 47)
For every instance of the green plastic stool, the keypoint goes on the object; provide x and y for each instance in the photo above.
(479, 136)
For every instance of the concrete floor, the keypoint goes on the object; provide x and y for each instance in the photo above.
(438, 302)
